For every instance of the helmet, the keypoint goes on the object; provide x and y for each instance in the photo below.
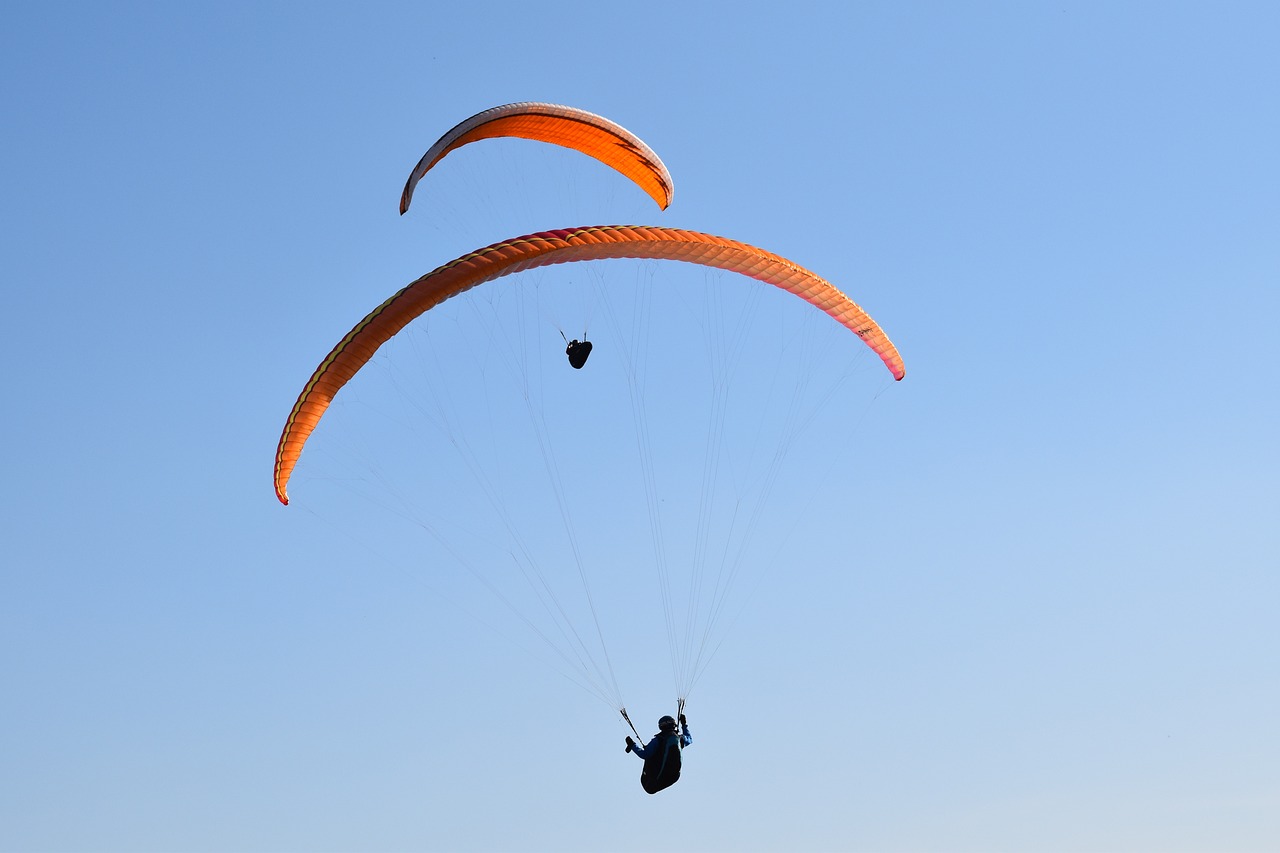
(667, 724)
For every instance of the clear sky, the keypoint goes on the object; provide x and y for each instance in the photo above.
(1023, 600)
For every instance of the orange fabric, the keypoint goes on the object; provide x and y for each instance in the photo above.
(567, 127)
(543, 249)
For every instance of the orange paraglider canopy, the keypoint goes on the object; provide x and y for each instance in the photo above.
(543, 249)
(568, 127)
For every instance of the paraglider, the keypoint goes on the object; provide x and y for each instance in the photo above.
(616, 147)
(542, 249)
(568, 127)
(578, 351)
(662, 755)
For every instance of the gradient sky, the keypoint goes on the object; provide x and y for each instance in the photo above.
(1030, 603)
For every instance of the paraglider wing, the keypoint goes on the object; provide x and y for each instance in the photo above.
(568, 127)
(543, 249)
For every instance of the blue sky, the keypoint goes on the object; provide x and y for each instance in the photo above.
(1023, 600)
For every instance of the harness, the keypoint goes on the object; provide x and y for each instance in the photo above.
(662, 768)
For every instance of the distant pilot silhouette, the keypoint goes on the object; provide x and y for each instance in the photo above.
(578, 352)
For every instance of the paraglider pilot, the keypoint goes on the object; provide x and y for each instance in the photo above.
(578, 352)
(661, 755)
